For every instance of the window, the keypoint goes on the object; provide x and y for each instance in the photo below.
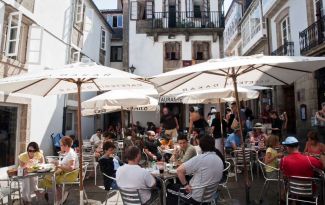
(69, 124)
(149, 9)
(8, 135)
(75, 56)
(285, 30)
(13, 34)
(116, 53)
(134, 10)
(173, 51)
(115, 21)
(103, 39)
(79, 12)
(201, 50)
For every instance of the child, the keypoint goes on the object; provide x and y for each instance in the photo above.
(271, 156)
(109, 164)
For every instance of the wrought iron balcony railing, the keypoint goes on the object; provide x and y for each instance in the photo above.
(212, 19)
(287, 49)
(312, 36)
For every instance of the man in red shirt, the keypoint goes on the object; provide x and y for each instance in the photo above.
(297, 164)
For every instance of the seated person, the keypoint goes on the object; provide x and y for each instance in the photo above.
(195, 141)
(297, 164)
(151, 146)
(257, 137)
(233, 141)
(313, 146)
(166, 142)
(184, 152)
(28, 159)
(206, 168)
(271, 157)
(68, 164)
(96, 138)
(132, 176)
(107, 137)
(109, 164)
(132, 140)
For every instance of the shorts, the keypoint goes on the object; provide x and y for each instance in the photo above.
(173, 133)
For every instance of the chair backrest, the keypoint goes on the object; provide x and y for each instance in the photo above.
(84, 170)
(263, 166)
(301, 186)
(226, 169)
(239, 156)
(130, 197)
(209, 192)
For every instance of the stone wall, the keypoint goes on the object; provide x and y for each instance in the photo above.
(305, 93)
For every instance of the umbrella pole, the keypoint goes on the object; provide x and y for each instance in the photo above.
(122, 123)
(247, 183)
(81, 187)
(222, 131)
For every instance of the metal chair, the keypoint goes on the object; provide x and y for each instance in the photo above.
(224, 183)
(208, 196)
(239, 161)
(6, 190)
(92, 164)
(132, 197)
(267, 180)
(107, 195)
(77, 182)
(301, 189)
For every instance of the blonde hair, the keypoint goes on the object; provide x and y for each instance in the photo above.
(272, 141)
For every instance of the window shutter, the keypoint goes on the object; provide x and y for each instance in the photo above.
(134, 10)
(35, 44)
(189, 8)
(13, 34)
(79, 12)
(103, 39)
(177, 51)
(149, 9)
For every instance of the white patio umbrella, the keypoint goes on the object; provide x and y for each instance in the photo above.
(214, 96)
(119, 100)
(72, 78)
(239, 70)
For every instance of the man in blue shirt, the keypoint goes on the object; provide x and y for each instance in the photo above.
(233, 141)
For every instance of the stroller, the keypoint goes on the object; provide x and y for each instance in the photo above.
(56, 142)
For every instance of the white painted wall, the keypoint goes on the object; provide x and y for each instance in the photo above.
(297, 10)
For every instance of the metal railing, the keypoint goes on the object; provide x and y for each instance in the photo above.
(212, 19)
(287, 49)
(312, 36)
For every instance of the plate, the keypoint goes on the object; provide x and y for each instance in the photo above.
(44, 170)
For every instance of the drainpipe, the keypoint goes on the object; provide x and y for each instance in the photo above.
(68, 54)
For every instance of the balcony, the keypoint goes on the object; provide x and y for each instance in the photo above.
(312, 38)
(186, 23)
(287, 49)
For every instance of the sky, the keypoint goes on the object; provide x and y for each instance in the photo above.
(111, 4)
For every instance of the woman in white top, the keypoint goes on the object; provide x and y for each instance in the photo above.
(68, 164)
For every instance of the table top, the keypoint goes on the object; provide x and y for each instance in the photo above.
(166, 175)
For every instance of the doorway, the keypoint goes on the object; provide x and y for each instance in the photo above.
(289, 97)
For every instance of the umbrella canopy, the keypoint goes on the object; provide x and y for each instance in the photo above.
(64, 80)
(116, 100)
(237, 71)
(247, 70)
(214, 96)
(72, 78)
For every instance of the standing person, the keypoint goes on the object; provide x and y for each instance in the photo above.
(276, 124)
(297, 164)
(265, 115)
(211, 115)
(169, 122)
(226, 121)
(29, 159)
(217, 131)
(284, 118)
(320, 116)
(132, 176)
(206, 168)
(197, 120)
(96, 138)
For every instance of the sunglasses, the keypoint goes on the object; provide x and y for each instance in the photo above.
(31, 150)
